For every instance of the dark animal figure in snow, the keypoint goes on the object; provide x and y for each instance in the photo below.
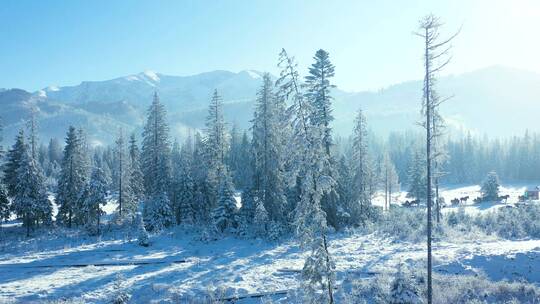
(463, 199)
(504, 198)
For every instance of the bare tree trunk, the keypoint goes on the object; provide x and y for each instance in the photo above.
(328, 271)
(427, 93)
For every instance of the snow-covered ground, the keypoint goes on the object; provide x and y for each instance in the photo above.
(64, 264)
(453, 192)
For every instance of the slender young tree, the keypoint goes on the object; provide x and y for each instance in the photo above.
(390, 180)
(435, 59)
(95, 196)
(126, 201)
(32, 127)
(361, 169)
(216, 146)
(136, 179)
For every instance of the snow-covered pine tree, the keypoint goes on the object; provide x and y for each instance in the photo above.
(4, 200)
(260, 220)
(311, 172)
(268, 151)
(142, 238)
(318, 94)
(122, 174)
(73, 176)
(156, 151)
(13, 161)
(136, 179)
(389, 179)
(490, 187)
(95, 196)
(203, 194)
(186, 185)
(5, 208)
(30, 201)
(157, 212)
(32, 127)
(174, 191)
(361, 204)
(245, 160)
(417, 178)
(344, 179)
(224, 215)
(215, 142)
(1, 138)
(156, 167)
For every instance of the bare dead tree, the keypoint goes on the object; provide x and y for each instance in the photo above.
(436, 57)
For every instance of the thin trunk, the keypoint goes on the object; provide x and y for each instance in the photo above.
(120, 181)
(27, 220)
(428, 158)
(328, 272)
(98, 218)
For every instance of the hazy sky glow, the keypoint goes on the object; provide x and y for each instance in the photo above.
(64, 42)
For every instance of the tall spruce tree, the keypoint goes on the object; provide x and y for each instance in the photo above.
(156, 167)
(361, 170)
(186, 185)
(30, 201)
(73, 176)
(268, 150)
(318, 94)
(156, 150)
(215, 143)
(136, 180)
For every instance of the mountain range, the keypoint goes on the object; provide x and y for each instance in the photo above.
(497, 101)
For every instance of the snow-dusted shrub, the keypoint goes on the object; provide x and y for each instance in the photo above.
(121, 294)
(519, 222)
(404, 289)
(142, 238)
(158, 213)
(276, 230)
(403, 224)
(478, 289)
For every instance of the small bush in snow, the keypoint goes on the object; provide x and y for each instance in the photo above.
(143, 234)
(120, 296)
(404, 289)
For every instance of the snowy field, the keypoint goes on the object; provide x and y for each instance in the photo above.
(450, 193)
(65, 264)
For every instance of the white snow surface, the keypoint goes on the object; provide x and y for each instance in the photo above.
(63, 263)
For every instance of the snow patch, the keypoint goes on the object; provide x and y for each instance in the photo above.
(151, 75)
(253, 74)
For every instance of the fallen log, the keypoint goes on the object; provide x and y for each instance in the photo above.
(98, 264)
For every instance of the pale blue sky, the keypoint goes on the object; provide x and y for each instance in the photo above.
(65, 42)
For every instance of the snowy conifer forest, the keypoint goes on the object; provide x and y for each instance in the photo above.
(280, 209)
